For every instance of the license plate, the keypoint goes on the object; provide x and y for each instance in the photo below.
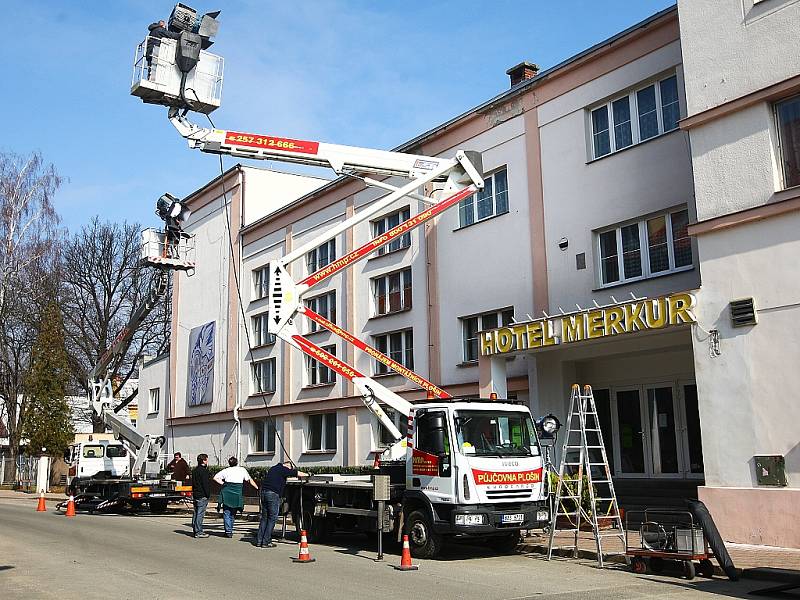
(157, 495)
(517, 518)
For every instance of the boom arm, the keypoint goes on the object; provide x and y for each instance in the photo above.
(100, 382)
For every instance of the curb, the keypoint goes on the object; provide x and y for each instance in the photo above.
(754, 573)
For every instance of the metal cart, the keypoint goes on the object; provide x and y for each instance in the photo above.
(667, 535)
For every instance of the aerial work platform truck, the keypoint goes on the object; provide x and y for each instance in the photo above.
(464, 467)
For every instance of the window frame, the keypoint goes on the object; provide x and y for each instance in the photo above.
(324, 448)
(404, 241)
(405, 273)
(313, 263)
(256, 365)
(644, 249)
(314, 370)
(260, 330)
(378, 368)
(781, 143)
(633, 108)
(504, 317)
(313, 304)
(399, 420)
(472, 201)
(260, 287)
(260, 431)
(151, 410)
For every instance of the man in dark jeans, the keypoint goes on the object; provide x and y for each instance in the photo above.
(271, 493)
(201, 492)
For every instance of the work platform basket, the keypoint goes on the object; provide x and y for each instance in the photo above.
(157, 78)
(168, 252)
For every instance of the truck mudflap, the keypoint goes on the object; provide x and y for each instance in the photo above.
(490, 519)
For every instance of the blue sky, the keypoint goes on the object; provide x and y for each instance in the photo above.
(352, 72)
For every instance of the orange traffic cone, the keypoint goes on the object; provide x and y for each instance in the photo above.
(71, 507)
(304, 556)
(405, 560)
(41, 507)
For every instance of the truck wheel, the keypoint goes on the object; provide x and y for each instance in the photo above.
(706, 568)
(158, 506)
(505, 544)
(316, 527)
(421, 537)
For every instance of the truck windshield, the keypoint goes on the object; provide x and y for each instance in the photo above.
(483, 433)
(93, 451)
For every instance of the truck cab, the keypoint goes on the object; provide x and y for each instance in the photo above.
(97, 456)
(473, 468)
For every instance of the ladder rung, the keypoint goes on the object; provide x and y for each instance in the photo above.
(602, 481)
(562, 496)
(601, 464)
(573, 529)
(605, 499)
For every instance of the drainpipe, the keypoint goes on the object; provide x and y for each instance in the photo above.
(236, 259)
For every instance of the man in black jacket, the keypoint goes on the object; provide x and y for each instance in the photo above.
(201, 492)
(156, 32)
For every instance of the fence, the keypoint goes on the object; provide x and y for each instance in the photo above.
(25, 478)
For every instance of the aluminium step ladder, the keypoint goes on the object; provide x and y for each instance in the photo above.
(584, 474)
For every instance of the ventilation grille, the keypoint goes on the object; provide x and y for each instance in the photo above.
(743, 312)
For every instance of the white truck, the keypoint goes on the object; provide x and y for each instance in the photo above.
(466, 467)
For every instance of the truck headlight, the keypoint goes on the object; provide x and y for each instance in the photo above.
(470, 519)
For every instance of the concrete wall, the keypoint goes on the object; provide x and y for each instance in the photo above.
(154, 374)
(267, 191)
(734, 47)
(747, 388)
(581, 196)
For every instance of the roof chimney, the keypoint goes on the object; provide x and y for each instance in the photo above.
(522, 71)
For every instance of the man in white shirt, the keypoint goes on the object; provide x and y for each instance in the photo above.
(232, 481)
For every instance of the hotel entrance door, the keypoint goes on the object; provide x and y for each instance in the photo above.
(654, 429)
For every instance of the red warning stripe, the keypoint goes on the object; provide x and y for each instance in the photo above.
(271, 142)
(387, 237)
(377, 354)
(326, 358)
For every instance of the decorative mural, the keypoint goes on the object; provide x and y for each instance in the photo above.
(200, 387)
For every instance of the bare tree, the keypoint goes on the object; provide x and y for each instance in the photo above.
(103, 285)
(28, 259)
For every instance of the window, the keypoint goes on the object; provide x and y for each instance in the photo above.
(787, 114)
(385, 439)
(649, 247)
(316, 372)
(261, 283)
(655, 109)
(470, 326)
(261, 334)
(93, 451)
(116, 451)
(321, 432)
(263, 376)
(398, 346)
(491, 201)
(155, 400)
(321, 256)
(324, 305)
(263, 436)
(392, 292)
(383, 225)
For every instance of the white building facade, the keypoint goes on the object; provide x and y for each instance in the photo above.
(743, 120)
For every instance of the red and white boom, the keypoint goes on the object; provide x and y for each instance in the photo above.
(454, 179)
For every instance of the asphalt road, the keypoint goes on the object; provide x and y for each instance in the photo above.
(46, 555)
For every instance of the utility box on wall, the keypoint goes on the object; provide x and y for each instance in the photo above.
(770, 470)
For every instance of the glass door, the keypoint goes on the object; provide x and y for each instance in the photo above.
(693, 445)
(662, 431)
(631, 437)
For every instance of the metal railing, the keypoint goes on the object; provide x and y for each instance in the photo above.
(25, 476)
(155, 68)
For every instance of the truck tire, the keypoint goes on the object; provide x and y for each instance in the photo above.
(316, 527)
(158, 506)
(505, 544)
(424, 542)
